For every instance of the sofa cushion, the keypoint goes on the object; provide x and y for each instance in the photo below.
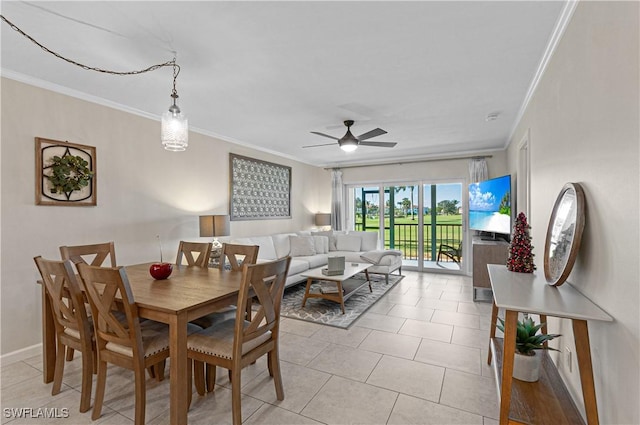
(369, 240)
(266, 251)
(297, 266)
(329, 235)
(314, 260)
(301, 246)
(349, 256)
(281, 244)
(348, 243)
(322, 244)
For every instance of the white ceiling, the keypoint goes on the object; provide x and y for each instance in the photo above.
(266, 74)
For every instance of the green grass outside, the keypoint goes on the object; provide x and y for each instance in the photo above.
(408, 242)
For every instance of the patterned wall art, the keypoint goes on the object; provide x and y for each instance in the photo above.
(65, 173)
(259, 190)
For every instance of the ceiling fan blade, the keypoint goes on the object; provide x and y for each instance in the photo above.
(379, 144)
(373, 133)
(325, 135)
(315, 146)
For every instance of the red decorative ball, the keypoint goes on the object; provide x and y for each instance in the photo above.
(161, 271)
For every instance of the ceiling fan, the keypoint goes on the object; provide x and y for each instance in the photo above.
(350, 143)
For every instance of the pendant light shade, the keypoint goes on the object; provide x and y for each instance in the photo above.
(174, 130)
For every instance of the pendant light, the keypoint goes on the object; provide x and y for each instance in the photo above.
(174, 128)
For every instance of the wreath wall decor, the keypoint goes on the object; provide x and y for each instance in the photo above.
(65, 173)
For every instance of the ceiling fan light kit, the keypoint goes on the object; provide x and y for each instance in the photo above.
(350, 143)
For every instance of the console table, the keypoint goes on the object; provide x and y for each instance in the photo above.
(546, 401)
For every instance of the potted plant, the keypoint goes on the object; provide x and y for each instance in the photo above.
(526, 364)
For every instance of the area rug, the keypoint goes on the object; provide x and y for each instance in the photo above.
(327, 312)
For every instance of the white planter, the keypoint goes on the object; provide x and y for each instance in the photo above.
(527, 368)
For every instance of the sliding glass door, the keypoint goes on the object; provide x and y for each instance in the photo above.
(424, 221)
(443, 226)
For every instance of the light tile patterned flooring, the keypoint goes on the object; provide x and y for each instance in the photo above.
(417, 357)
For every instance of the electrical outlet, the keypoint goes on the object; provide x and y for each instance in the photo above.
(568, 359)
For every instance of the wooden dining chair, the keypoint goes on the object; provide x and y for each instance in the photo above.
(236, 255)
(249, 254)
(72, 326)
(188, 250)
(134, 344)
(94, 254)
(236, 343)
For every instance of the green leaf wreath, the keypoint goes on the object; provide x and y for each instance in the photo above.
(69, 173)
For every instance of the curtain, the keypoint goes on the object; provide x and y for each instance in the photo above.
(336, 199)
(478, 170)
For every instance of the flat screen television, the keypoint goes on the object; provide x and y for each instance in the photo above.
(490, 205)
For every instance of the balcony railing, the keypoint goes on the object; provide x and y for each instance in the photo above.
(406, 239)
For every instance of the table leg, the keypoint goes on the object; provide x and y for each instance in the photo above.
(583, 352)
(543, 319)
(366, 273)
(178, 370)
(492, 328)
(306, 291)
(48, 338)
(341, 295)
(510, 326)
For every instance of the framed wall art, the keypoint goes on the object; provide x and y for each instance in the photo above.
(259, 190)
(65, 173)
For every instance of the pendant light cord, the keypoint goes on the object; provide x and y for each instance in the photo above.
(176, 67)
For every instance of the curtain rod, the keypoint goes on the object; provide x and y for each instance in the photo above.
(448, 158)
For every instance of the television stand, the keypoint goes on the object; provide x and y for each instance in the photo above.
(493, 238)
(493, 251)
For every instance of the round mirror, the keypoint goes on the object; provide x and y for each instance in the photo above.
(564, 234)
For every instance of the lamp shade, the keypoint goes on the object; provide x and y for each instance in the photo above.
(214, 225)
(323, 219)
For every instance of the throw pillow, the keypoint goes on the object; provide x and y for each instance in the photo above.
(369, 240)
(321, 244)
(329, 234)
(348, 243)
(301, 246)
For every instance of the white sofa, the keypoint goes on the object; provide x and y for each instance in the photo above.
(309, 250)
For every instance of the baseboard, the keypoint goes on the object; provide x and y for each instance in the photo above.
(22, 354)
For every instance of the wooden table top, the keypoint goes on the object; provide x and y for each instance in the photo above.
(186, 288)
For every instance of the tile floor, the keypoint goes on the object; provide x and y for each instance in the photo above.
(417, 357)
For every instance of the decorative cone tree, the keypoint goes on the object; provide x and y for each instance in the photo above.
(520, 256)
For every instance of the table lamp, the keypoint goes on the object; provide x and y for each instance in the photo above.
(214, 226)
(323, 219)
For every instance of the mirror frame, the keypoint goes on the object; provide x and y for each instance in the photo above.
(577, 234)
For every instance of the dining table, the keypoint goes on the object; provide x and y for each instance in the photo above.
(189, 293)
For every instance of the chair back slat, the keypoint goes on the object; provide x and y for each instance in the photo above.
(65, 295)
(188, 249)
(264, 281)
(94, 254)
(104, 287)
(232, 252)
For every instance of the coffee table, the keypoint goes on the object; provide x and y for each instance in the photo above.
(345, 288)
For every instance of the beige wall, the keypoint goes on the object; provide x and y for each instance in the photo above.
(143, 191)
(583, 122)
